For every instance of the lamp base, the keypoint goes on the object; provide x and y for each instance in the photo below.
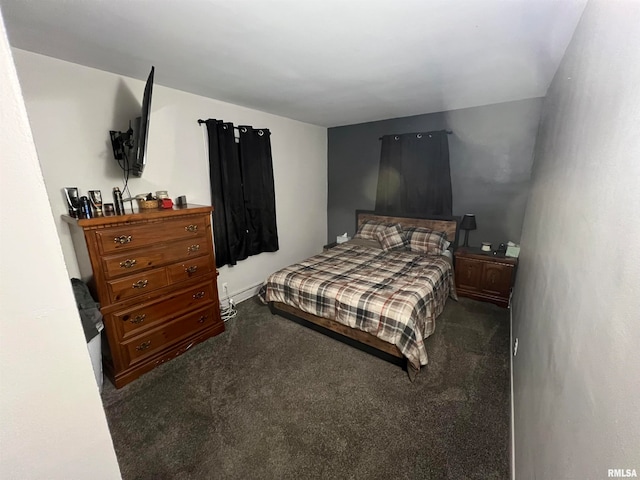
(466, 239)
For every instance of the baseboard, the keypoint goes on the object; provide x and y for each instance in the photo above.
(246, 293)
(512, 419)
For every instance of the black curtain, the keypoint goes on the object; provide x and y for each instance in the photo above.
(414, 175)
(242, 192)
(259, 191)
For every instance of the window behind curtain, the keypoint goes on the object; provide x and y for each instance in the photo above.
(242, 192)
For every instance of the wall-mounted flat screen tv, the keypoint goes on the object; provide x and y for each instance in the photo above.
(130, 147)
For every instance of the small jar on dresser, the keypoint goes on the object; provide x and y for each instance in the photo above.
(154, 275)
(483, 276)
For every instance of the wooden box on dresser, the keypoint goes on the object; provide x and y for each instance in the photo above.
(484, 276)
(154, 274)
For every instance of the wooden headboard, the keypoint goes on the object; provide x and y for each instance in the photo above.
(448, 225)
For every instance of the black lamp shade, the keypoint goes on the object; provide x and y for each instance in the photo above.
(468, 222)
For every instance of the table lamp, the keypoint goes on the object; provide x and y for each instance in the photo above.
(468, 223)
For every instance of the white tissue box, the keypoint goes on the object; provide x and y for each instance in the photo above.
(342, 239)
(513, 251)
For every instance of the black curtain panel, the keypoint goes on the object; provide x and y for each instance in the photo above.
(229, 222)
(259, 191)
(242, 192)
(414, 175)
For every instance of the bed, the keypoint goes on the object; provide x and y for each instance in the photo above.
(380, 292)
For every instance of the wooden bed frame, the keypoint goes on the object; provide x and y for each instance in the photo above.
(358, 338)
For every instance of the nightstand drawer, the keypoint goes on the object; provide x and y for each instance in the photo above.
(496, 279)
(468, 273)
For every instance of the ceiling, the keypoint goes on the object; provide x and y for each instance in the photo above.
(325, 62)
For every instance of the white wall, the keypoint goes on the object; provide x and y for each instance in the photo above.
(53, 425)
(577, 298)
(72, 108)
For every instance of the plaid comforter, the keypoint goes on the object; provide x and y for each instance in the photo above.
(394, 295)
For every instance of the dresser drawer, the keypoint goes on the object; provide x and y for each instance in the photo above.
(132, 262)
(190, 269)
(135, 285)
(133, 321)
(125, 237)
(184, 249)
(157, 340)
(126, 263)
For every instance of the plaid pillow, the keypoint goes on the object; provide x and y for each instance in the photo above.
(369, 228)
(423, 240)
(391, 237)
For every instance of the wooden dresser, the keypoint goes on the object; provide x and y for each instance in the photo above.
(483, 276)
(154, 275)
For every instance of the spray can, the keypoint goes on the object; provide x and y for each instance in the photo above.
(117, 201)
(85, 207)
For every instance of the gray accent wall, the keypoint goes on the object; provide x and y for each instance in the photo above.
(490, 150)
(576, 305)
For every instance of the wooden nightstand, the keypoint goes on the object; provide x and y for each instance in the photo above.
(484, 276)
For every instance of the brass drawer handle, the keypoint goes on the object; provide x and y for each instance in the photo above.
(138, 318)
(198, 295)
(193, 248)
(203, 318)
(191, 228)
(140, 284)
(143, 346)
(128, 263)
(191, 269)
(122, 239)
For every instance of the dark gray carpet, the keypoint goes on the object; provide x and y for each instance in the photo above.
(270, 399)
